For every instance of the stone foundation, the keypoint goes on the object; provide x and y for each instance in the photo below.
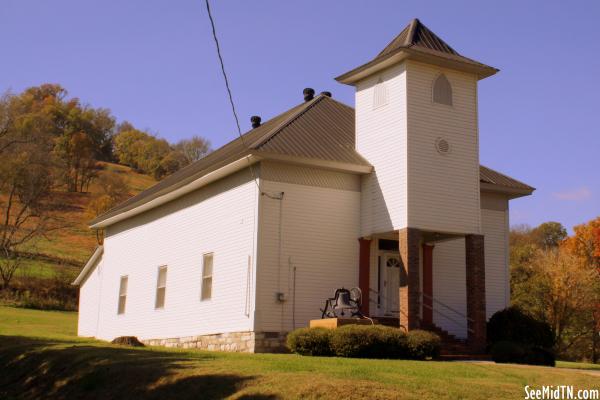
(244, 342)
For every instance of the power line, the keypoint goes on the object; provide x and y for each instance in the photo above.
(237, 120)
(214, 33)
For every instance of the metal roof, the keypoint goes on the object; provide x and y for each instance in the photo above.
(320, 129)
(418, 41)
(488, 175)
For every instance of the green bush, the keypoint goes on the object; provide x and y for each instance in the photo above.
(512, 352)
(540, 356)
(422, 345)
(367, 341)
(364, 341)
(514, 325)
(505, 351)
(310, 341)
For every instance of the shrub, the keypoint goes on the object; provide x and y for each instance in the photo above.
(364, 341)
(506, 351)
(540, 356)
(310, 341)
(512, 352)
(422, 345)
(127, 341)
(367, 341)
(512, 324)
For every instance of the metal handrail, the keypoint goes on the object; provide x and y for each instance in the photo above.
(433, 300)
(460, 314)
(382, 298)
(447, 317)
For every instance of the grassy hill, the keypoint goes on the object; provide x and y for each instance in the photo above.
(64, 253)
(44, 359)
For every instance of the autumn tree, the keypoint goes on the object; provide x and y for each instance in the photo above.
(555, 277)
(154, 156)
(26, 182)
(192, 149)
(113, 190)
(549, 234)
(562, 291)
(585, 245)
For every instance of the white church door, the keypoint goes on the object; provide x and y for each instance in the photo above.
(391, 284)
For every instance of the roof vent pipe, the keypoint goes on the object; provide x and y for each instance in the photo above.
(328, 94)
(255, 119)
(308, 93)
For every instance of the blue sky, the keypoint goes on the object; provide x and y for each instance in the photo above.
(153, 63)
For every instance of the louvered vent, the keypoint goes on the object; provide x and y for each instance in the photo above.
(442, 91)
(380, 95)
(442, 146)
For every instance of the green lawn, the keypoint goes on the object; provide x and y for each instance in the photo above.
(41, 357)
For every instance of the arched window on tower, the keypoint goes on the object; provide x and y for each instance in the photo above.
(442, 90)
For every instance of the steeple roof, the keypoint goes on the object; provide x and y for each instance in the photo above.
(418, 42)
(417, 34)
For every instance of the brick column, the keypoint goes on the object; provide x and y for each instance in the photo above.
(409, 239)
(364, 270)
(475, 264)
(427, 284)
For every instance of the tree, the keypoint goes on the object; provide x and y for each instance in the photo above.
(585, 245)
(561, 291)
(549, 234)
(113, 190)
(144, 152)
(193, 148)
(26, 182)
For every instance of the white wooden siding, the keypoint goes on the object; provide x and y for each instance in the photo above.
(449, 270)
(88, 302)
(497, 279)
(381, 139)
(450, 286)
(443, 189)
(219, 218)
(319, 232)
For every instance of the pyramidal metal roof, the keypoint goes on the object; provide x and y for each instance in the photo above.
(416, 34)
(419, 42)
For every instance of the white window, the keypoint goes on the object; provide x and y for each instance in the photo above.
(161, 287)
(442, 90)
(380, 95)
(207, 273)
(122, 295)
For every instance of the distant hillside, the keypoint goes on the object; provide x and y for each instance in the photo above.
(65, 252)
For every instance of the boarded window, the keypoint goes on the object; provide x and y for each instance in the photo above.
(380, 95)
(207, 273)
(161, 287)
(442, 91)
(122, 295)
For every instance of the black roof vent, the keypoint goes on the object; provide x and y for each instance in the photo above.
(255, 119)
(308, 93)
(328, 94)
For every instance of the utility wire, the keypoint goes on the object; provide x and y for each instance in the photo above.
(235, 115)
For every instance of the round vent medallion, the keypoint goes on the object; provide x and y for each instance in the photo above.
(442, 146)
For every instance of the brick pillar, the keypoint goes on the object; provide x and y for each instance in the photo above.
(475, 263)
(427, 284)
(364, 263)
(409, 239)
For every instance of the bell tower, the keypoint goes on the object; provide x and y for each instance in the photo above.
(416, 122)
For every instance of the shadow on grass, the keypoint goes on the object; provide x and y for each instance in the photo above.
(54, 369)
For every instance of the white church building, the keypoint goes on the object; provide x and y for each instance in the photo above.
(243, 246)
